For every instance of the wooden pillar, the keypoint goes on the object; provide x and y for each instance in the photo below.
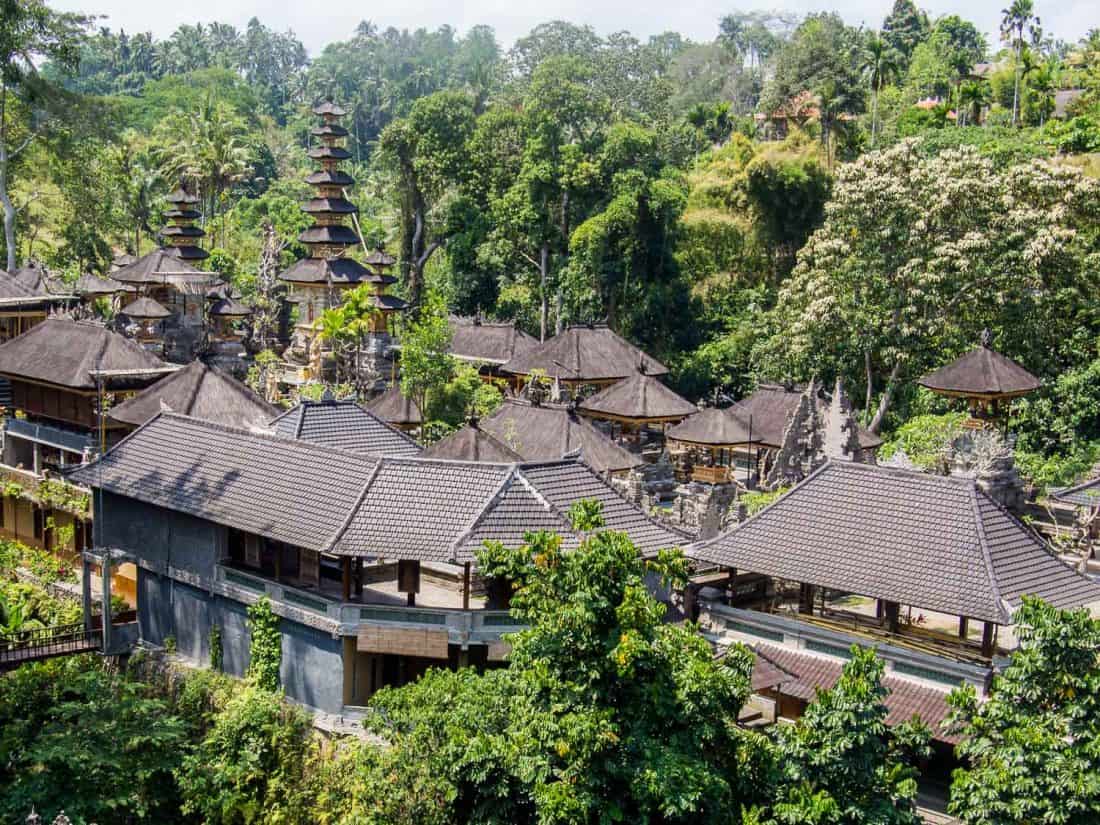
(691, 612)
(278, 564)
(408, 579)
(987, 639)
(731, 582)
(358, 578)
(466, 586)
(345, 577)
(879, 609)
(964, 627)
(86, 590)
(106, 568)
(893, 613)
(806, 599)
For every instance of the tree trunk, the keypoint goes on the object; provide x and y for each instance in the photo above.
(544, 297)
(870, 382)
(874, 114)
(1016, 85)
(5, 197)
(564, 260)
(887, 397)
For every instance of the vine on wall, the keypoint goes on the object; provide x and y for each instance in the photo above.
(266, 648)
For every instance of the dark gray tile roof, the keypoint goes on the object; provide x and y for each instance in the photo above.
(491, 343)
(928, 541)
(64, 353)
(585, 353)
(199, 391)
(290, 491)
(641, 397)
(981, 371)
(548, 432)
(348, 504)
(346, 425)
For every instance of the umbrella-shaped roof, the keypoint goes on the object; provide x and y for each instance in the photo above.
(145, 309)
(640, 397)
(471, 443)
(982, 372)
(395, 408)
(714, 427)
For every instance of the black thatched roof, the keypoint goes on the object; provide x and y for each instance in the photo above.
(149, 269)
(379, 257)
(770, 408)
(394, 408)
(65, 353)
(324, 177)
(327, 107)
(547, 432)
(585, 353)
(230, 307)
(471, 443)
(714, 427)
(981, 372)
(336, 235)
(491, 343)
(144, 308)
(639, 397)
(199, 391)
(91, 286)
(336, 270)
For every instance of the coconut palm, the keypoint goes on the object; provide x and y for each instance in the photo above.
(971, 98)
(879, 65)
(1014, 19)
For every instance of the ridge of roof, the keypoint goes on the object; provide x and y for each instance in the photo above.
(339, 532)
(987, 557)
(482, 513)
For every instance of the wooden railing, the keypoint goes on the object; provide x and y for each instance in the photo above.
(711, 475)
(46, 642)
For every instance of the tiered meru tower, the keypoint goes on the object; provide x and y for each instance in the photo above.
(319, 281)
(181, 234)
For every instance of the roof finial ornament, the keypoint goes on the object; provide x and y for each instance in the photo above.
(987, 338)
(326, 395)
(641, 366)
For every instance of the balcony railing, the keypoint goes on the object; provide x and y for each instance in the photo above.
(463, 626)
(51, 436)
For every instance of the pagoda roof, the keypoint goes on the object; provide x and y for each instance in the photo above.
(639, 398)
(150, 268)
(471, 443)
(337, 235)
(336, 206)
(346, 425)
(123, 259)
(395, 408)
(487, 342)
(336, 177)
(329, 130)
(338, 270)
(327, 107)
(931, 542)
(547, 432)
(145, 307)
(585, 353)
(387, 303)
(357, 505)
(379, 257)
(173, 231)
(181, 195)
(714, 427)
(67, 353)
(185, 214)
(230, 307)
(329, 152)
(199, 391)
(982, 372)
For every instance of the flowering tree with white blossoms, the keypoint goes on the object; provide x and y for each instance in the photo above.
(918, 254)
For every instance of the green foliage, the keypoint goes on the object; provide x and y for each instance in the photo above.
(60, 495)
(248, 767)
(265, 649)
(216, 652)
(925, 438)
(426, 363)
(841, 763)
(757, 500)
(1031, 747)
(465, 395)
(75, 737)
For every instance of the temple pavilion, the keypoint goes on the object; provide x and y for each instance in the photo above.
(487, 344)
(316, 282)
(706, 443)
(397, 409)
(987, 380)
(636, 404)
(24, 304)
(583, 355)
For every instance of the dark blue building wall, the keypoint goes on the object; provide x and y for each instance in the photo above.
(159, 536)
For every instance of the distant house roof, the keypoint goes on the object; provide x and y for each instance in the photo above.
(66, 353)
(714, 427)
(346, 503)
(801, 674)
(547, 432)
(145, 308)
(471, 443)
(491, 343)
(38, 280)
(346, 425)
(933, 542)
(90, 286)
(1086, 494)
(770, 408)
(31, 288)
(1063, 99)
(585, 353)
(981, 372)
(230, 307)
(641, 398)
(395, 408)
(199, 391)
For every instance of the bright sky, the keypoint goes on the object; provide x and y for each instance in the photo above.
(318, 23)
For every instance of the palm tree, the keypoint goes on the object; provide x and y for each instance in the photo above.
(879, 65)
(1014, 19)
(833, 102)
(971, 98)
